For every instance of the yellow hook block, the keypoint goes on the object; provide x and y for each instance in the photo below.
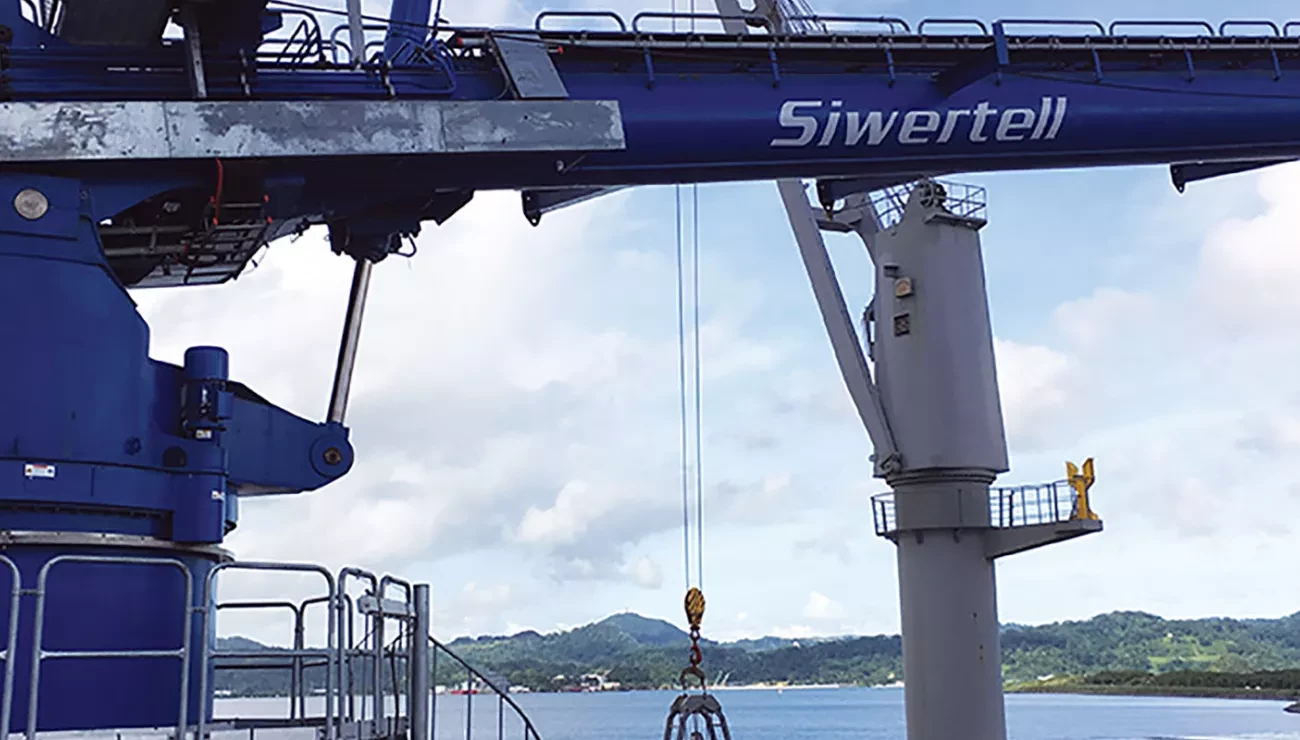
(695, 607)
(1081, 482)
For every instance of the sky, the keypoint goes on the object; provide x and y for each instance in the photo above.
(515, 406)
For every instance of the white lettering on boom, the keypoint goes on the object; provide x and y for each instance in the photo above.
(981, 124)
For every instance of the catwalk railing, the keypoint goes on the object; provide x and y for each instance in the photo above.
(362, 680)
(964, 201)
(314, 36)
(696, 30)
(1019, 506)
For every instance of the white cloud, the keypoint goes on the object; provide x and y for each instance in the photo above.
(574, 508)
(493, 597)
(1250, 267)
(644, 572)
(1036, 385)
(1091, 323)
(514, 628)
(820, 606)
(795, 631)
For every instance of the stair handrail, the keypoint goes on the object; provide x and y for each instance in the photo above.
(529, 729)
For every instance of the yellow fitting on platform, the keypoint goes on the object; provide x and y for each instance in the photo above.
(1081, 482)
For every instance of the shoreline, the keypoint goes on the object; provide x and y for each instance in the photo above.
(1170, 692)
(777, 687)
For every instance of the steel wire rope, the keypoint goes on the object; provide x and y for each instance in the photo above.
(681, 364)
(694, 390)
(693, 615)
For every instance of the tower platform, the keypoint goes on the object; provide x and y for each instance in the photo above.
(1020, 518)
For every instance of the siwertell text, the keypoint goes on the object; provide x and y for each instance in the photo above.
(819, 121)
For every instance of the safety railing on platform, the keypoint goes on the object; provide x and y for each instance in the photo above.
(478, 683)
(1026, 506)
(1019, 506)
(40, 654)
(11, 642)
(258, 659)
(884, 514)
(306, 43)
(309, 44)
(810, 24)
(372, 679)
(319, 39)
(965, 201)
(373, 676)
(309, 40)
(698, 30)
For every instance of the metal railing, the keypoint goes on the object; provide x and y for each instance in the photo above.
(306, 42)
(963, 200)
(409, 659)
(813, 24)
(473, 680)
(11, 644)
(39, 654)
(295, 664)
(344, 659)
(212, 654)
(309, 41)
(1027, 506)
(884, 515)
(1019, 506)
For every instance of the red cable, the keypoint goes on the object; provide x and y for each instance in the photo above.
(215, 201)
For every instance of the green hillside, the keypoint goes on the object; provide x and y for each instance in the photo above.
(641, 652)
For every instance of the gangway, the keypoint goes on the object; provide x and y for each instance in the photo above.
(132, 159)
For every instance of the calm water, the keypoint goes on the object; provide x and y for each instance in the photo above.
(849, 714)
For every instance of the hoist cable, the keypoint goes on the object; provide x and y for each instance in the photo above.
(694, 602)
(694, 391)
(682, 363)
(699, 456)
(681, 357)
(695, 298)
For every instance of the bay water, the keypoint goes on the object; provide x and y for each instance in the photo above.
(838, 714)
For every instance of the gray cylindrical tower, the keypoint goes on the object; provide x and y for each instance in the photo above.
(937, 378)
(934, 341)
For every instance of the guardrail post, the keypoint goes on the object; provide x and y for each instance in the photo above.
(419, 666)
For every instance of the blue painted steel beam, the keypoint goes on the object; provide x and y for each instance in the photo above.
(710, 120)
(1184, 174)
(407, 22)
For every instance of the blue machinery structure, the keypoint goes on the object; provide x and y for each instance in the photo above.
(134, 157)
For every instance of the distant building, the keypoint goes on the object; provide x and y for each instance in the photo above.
(597, 682)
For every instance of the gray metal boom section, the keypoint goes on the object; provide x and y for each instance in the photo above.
(830, 300)
(68, 131)
(839, 325)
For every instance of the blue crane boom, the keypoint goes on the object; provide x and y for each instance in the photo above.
(714, 108)
(131, 159)
(874, 104)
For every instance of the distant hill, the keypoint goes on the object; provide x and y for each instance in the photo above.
(646, 631)
(642, 652)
